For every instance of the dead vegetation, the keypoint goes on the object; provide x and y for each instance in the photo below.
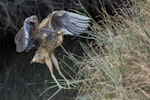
(122, 70)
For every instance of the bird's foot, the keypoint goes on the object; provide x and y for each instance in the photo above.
(68, 83)
(62, 87)
(59, 85)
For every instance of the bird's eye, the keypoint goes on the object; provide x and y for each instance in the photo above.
(32, 23)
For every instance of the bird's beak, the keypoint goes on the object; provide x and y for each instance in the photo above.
(33, 19)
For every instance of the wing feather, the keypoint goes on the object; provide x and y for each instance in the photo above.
(70, 23)
(23, 40)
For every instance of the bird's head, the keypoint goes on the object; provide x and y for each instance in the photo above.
(32, 19)
(31, 27)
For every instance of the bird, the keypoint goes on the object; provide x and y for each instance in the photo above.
(48, 35)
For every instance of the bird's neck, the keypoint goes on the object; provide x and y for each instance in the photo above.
(35, 32)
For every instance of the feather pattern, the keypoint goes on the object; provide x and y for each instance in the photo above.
(20, 40)
(67, 23)
(70, 23)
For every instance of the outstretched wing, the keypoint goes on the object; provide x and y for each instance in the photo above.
(22, 40)
(68, 22)
(19, 41)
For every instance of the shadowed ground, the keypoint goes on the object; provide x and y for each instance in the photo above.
(17, 73)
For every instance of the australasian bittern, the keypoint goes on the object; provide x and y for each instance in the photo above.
(48, 35)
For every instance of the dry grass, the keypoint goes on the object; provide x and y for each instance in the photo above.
(121, 70)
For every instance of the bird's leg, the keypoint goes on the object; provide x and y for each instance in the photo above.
(55, 62)
(49, 64)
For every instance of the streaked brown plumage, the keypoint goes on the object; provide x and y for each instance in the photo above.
(48, 35)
